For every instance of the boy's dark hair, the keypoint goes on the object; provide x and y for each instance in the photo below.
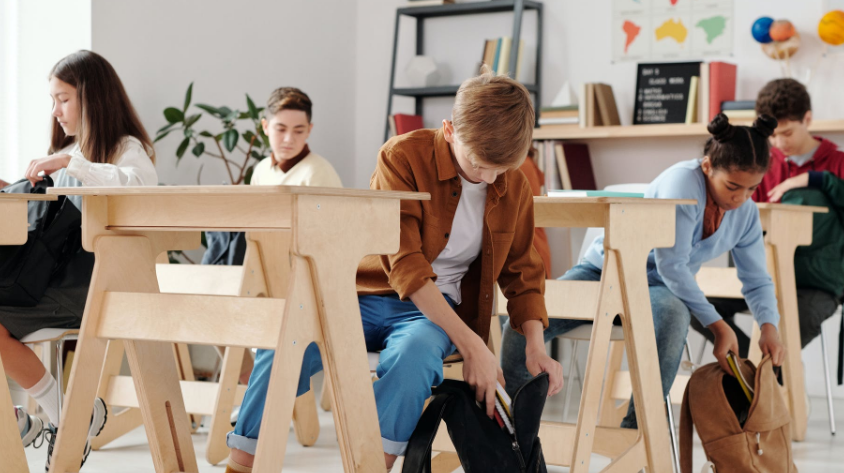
(742, 148)
(784, 99)
(288, 98)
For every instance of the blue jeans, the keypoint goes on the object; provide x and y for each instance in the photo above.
(671, 325)
(411, 362)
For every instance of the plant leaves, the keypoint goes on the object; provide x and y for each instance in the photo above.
(230, 139)
(212, 110)
(223, 111)
(232, 116)
(253, 111)
(206, 134)
(247, 178)
(243, 116)
(182, 147)
(198, 149)
(173, 115)
(161, 136)
(188, 97)
(165, 128)
(256, 155)
(189, 121)
(248, 137)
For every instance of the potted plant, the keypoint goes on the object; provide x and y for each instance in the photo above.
(239, 151)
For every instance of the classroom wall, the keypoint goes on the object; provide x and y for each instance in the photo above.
(30, 44)
(229, 49)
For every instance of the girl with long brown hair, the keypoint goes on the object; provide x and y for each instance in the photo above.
(97, 140)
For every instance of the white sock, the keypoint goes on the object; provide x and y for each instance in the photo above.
(46, 394)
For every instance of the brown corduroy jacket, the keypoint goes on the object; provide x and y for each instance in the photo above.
(421, 161)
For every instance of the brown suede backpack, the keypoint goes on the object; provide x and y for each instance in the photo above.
(737, 435)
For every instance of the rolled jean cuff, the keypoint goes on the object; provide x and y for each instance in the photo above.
(392, 447)
(244, 444)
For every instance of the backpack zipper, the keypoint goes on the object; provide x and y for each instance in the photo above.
(758, 444)
(519, 454)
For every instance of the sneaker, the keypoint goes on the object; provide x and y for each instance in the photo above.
(29, 426)
(98, 420)
(235, 415)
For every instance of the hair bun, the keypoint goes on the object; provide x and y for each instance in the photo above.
(765, 125)
(720, 128)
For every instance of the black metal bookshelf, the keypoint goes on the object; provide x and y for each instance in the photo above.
(518, 7)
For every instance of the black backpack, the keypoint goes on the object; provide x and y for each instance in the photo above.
(483, 446)
(54, 238)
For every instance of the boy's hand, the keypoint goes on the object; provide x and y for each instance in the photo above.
(537, 361)
(770, 344)
(796, 182)
(725, 342)
(49, 165)
(482, 372)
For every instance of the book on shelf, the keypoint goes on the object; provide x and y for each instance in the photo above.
(488, 58)
(579, 166)
(722, 86)
(562, 166)
(543, 121)
(593, 193)
(740, 115)
(598, 106)
(691, 106)
(738, 105)
(504, 57)
(703, 94)
(497, 57)
(401, 123)
(606, 105)
(428, 3)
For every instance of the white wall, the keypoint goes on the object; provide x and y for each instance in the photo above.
(30, 44)
(228, 49)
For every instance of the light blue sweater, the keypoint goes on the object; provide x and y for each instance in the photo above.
(740, 232)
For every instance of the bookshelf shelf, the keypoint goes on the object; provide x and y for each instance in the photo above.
(443, 91)
(474, 8)
(696, 130)
(420, 14)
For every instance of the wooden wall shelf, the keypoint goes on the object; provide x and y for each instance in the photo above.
(696, 130)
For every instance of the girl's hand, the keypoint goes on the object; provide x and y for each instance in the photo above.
(48, 165)
(796, 182)
(770, 344)
(725, 342)
(537, 361)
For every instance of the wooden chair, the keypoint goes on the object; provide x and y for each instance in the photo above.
(13, 231)
(786, 227)
(128, 227)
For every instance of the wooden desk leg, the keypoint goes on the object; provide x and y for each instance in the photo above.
(119, 423)
(299, 328)
(125, 263)
(610, 414)
(306, 418)
(216, 449)
(633, 230)
(609, 305)
(185, 368)
(787, 231)
(14, 459)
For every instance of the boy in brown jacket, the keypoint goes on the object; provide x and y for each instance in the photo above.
(435, 295)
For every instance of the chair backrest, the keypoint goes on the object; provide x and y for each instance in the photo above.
(592, 233)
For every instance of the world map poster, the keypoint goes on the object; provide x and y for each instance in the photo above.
(667, 30)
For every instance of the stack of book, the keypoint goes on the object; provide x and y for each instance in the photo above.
(496, 55)
(567, 115)
(401, 123)
(597, 106)
(715, 85)
(739, 110)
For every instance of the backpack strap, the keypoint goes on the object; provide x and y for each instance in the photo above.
(417, 458)
(686, 425)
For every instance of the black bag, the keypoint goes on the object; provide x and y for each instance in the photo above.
(483, 446)
(54, 237)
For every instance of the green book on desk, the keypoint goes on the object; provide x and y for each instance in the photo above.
(587, 193)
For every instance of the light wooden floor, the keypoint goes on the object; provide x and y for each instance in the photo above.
(820, 453)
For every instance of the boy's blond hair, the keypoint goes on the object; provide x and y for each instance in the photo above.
(493, 117)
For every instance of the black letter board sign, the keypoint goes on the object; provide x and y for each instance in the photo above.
(662, 92)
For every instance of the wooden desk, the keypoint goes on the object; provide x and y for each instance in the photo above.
(13, 231)
(786, 227)
(632, 228)
(330, 231)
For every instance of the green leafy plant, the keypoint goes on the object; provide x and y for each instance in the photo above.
(225, 145)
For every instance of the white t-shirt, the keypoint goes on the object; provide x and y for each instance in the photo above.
(464, 242)
(312, 170)
(132, 167)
